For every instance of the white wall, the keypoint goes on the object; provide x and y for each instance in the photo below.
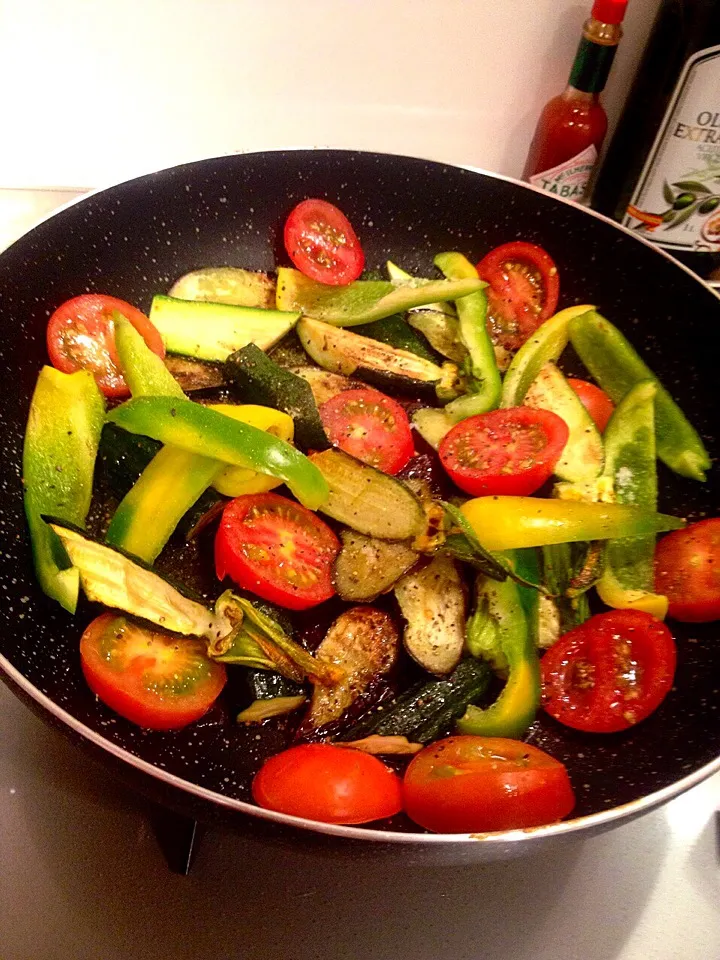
(97, 90)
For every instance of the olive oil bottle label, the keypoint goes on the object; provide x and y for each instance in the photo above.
(569, 179)
(676, 202)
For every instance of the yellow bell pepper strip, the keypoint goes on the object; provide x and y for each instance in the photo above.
(546, 344)
(363, 300)
(208, 433)
(485, 385)
(236, 481)
(461, 542)
(61, 442)
(174, 479)
(628, 579)
(617, 367)
(149, 513)
(504, 523)
(498, 631)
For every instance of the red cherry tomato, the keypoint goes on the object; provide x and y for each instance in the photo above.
(371, 427)
(155, 679)
(687, 571)
(80, 336)
(610, 672)
(477, 784)
(511, 451)
(597, 403)
(333, 784)
(277, 549)
(524, 290)
(321, 242)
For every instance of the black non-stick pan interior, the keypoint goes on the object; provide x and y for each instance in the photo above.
(135, 239)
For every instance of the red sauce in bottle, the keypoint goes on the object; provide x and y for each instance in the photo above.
(572, 126)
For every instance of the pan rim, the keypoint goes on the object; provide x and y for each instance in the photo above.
(589, 822)
(576, 825)
(89, 193)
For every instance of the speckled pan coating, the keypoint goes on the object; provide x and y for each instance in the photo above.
(135, 239)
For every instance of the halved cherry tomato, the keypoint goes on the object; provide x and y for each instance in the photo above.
(371, 427)
(511, 451)
(687, 571)
(609, 673)
(80, 336)
(476, 784)
(276, 548)
(152, 678)
(321, 242)
(524, 290)
(597, 403)
(333, 784)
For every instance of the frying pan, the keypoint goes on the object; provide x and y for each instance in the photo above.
(135, 239)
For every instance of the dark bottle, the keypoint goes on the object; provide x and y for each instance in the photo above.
(661, 175)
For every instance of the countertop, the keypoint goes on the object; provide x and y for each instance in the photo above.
(83, 878)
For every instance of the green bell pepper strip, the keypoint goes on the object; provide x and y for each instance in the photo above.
(174, 479)
(145, 373)
(617, 367)
(208, 433)
(364, 300)
(546, 344)
(498, 631)
(628, 579)
(61, 442)
(504, 523)
(486, 385)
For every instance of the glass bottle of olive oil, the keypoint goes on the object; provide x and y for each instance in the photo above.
(661, 175)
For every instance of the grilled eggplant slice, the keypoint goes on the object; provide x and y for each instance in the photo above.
(227, 285)
(364, 644)
(367, 566)
(367, 500)
(325, 385)
(433, 602)
(341, 351)
(194, 375)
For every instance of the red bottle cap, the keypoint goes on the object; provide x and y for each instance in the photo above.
(609, 11)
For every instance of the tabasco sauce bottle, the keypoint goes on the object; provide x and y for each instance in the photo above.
(572, 126)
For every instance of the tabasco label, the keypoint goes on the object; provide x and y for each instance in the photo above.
(676, 202)
(569, 179)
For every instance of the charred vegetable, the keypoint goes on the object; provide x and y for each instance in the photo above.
(363, 645)
(324, 385)
(368, 566)
(432, 601)
(367, 500)
(341, 351)
(429, 709)
(194, 375)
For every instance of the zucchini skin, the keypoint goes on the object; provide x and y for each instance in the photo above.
(428, 710)
(260, 380)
